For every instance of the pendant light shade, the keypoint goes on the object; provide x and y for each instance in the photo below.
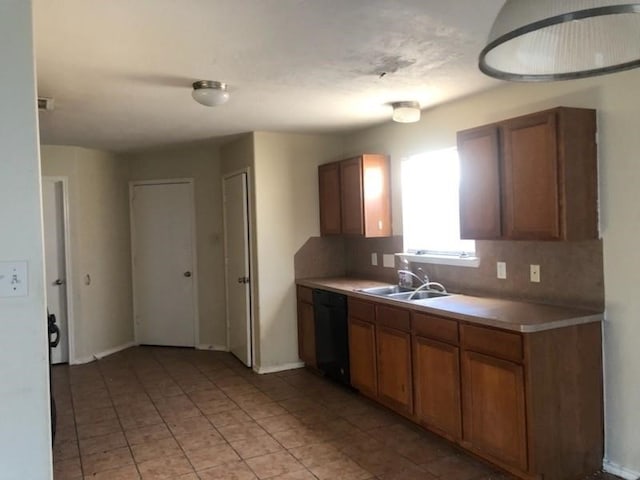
(210, 93)
(406, 112)
(543, 40)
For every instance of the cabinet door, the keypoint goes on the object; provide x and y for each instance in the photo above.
(376, 200)
(329, 188)
(494, 408)
(352, 196)
(436, 376)
(306, 334)
(530, 187)
(362, 356)
(480, 213)
(394, 369)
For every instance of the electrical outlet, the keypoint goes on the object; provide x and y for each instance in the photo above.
(374, 258)
(534, 273)
(388, 260)
(501, 270)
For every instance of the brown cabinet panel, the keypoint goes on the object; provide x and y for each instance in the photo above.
(306, 334)
(394, 369)
(530, 178)
(393, 317)
(351, 191)
(361, 310)
(355, 197)
(497, 343)
(530, 163)
(480, 213)
(377, 204)
(329, 188)
(434, 327)
(305, 294)
(362, 356)
(494, 408)
(436, 377)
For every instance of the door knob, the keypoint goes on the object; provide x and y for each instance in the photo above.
(187, 274)
(243, 280)
(59, 282)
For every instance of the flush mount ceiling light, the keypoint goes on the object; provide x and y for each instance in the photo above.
(210, 93)
(406, 112)
(546, 40)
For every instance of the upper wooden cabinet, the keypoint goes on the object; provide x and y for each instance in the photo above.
(530, 178)
(479, 152)
(329, 187)
(355, 197)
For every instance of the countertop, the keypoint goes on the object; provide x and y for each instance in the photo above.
(506, 314)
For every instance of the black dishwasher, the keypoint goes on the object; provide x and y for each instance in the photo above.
(332, 337)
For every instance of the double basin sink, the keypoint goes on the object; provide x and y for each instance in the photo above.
(397, 292)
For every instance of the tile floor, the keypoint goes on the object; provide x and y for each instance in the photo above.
(169, 413)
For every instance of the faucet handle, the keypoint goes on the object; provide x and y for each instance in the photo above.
(425, 277)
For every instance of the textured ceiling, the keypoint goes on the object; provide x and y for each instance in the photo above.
(120, 71)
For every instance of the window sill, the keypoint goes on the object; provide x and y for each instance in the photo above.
(473, 262)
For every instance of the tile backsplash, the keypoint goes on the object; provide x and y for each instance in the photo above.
(571, 272)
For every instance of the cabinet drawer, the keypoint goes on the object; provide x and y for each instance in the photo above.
(492, 342)
(434, 327)
(305, 294)
(393, 318)
(361, 310)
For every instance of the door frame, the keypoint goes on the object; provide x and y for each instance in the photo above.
(252, 276)
(68, 262)
(194, 250)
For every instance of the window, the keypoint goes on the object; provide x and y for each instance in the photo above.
(430, 216)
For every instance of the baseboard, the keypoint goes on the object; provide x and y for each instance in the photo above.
(620, 471)
(277, 368)
(105, 353)
(216, 348)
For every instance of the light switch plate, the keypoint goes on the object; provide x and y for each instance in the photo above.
(501, 270)
(13, 279)
(534, 273)
(374, 258)
(389, 260)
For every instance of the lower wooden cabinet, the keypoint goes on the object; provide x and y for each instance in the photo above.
(306, 327)
(393, 348)
(436, 383)
(362, 356)
(494, 408)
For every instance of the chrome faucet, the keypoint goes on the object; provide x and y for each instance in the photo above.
(403, 275)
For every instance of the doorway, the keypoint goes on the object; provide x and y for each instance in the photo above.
(57, 262)
(163, 262)
(237, 247)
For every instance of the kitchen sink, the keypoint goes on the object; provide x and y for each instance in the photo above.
(386, 291)
(422, 294)
(402, 293)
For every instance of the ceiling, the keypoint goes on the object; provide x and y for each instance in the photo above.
(120, 71)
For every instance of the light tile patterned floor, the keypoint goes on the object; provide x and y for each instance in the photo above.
(170, 413)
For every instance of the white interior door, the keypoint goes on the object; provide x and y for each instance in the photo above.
(163, 263)
(236, 231)
(55, 262)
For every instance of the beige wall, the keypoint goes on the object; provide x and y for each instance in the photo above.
(100, 246)
(286, 203)
(25, 438)
(202, 164)
(619, 146)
